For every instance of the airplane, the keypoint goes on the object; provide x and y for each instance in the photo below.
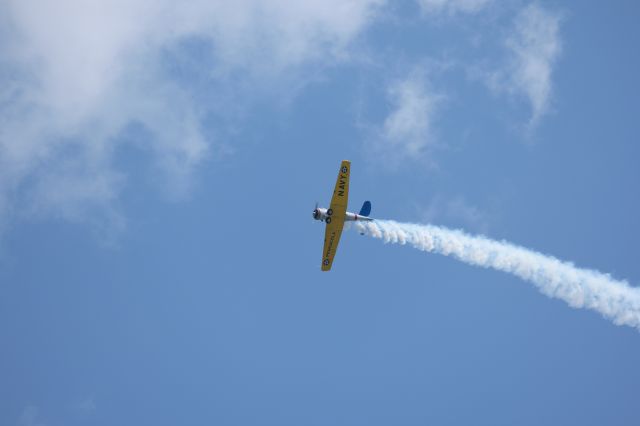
(336, 215)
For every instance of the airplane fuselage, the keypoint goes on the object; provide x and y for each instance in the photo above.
(322, 214)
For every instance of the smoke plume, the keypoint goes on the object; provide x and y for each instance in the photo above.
(580, 288)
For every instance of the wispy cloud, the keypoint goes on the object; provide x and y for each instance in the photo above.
(452, 7)
(534, 46)
(456, 211)
(30, 417)
(84, 406)
(407, 130)
(75, 77)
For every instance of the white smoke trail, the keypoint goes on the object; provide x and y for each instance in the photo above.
(580, 288)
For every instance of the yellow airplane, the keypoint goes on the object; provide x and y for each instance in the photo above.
(337, 214)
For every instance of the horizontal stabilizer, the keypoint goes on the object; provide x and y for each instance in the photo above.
(366, 209)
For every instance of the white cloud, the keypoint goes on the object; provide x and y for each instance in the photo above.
(452, 7)
(75, 75)
(407, 131)
(534, 47)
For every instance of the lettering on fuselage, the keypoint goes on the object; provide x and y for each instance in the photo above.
(330, 245)
(342, 182)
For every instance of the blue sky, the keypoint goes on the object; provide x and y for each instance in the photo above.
(158, 167)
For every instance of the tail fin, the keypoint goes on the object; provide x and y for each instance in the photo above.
(366, 209)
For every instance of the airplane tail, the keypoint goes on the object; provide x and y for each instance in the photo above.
(366, 209)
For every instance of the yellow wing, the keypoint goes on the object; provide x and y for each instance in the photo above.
(338, 208)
